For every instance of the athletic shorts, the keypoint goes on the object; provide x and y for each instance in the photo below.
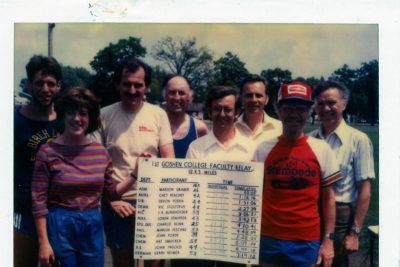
(76, 236)
(25, 224)
(119, 231)
(288, 253)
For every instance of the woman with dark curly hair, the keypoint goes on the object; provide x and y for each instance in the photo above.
(70, 177)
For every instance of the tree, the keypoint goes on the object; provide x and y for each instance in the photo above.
(229, 70)
(275, 78)
(73, 76)
(106, 61)
(154, 94)
(181, 56)
(363, 84)
(368, 83)
(357, 102)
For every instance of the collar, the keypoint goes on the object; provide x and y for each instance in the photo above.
(238, 139)
(266, 122)
(340, 131)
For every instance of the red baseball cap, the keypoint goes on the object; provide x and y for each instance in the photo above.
(296, 91)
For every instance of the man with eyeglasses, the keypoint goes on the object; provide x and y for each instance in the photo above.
(354, 151)
(224, 142)
(254, 122)
(33, 126)
(299, 170)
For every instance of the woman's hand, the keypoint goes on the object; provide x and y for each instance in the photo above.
(46, 255)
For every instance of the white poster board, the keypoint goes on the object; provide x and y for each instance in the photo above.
(195, 209)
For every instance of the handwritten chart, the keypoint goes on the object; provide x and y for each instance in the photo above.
(198, 209)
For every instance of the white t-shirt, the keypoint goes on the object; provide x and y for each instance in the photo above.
(125, 135)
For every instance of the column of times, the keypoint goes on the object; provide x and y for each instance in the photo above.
(199, 210)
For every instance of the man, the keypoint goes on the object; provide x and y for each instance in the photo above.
(254, 122)
(224, 142)
(130, 127)
(185, 129)
(33, 126)
(298, 169)
(354, 151)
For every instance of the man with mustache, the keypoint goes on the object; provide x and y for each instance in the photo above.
(354, 151)
(33, 126)
(254, 122)
(299, 169)
(130, 127)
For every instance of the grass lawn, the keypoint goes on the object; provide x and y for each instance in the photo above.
(373, 213)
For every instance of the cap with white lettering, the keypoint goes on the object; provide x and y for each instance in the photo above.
(296, 91)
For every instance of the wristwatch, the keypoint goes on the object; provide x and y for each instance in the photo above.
(355, 229)
(331, 236)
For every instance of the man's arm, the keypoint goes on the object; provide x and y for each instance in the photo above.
(326, 252)
(167, 151)
(201, 127)
(350, 241)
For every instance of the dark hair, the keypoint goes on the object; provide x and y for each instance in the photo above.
(75, 98)
(218, 92)
(48, 66)
(132, 64)
(252, 78)
(332, 84)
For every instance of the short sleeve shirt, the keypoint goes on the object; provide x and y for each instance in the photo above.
(127, 134)
(294, 172)
(208, 147)
(354, 152)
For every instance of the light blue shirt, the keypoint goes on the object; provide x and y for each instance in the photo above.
(354, 152)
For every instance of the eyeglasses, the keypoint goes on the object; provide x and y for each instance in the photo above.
(225, 109)
(41, 83)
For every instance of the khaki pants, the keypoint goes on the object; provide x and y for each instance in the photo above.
(344, 221)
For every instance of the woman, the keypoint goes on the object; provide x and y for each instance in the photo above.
(71, 174)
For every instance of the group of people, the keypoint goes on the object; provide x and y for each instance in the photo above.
(76, 165)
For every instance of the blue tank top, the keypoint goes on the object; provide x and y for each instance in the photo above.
(181, 145)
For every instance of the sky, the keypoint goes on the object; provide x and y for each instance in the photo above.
(304, 49)
(337, 32)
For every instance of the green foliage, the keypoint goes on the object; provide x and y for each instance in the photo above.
(107, 59)
(105, 63)
(229, 70)
(154, 95)
(181, 56)
(363, 84)
(72, 76)
(275, 77)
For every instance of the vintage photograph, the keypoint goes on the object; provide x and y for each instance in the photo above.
(299, 99)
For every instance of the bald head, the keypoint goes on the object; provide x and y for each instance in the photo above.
(177, 94)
